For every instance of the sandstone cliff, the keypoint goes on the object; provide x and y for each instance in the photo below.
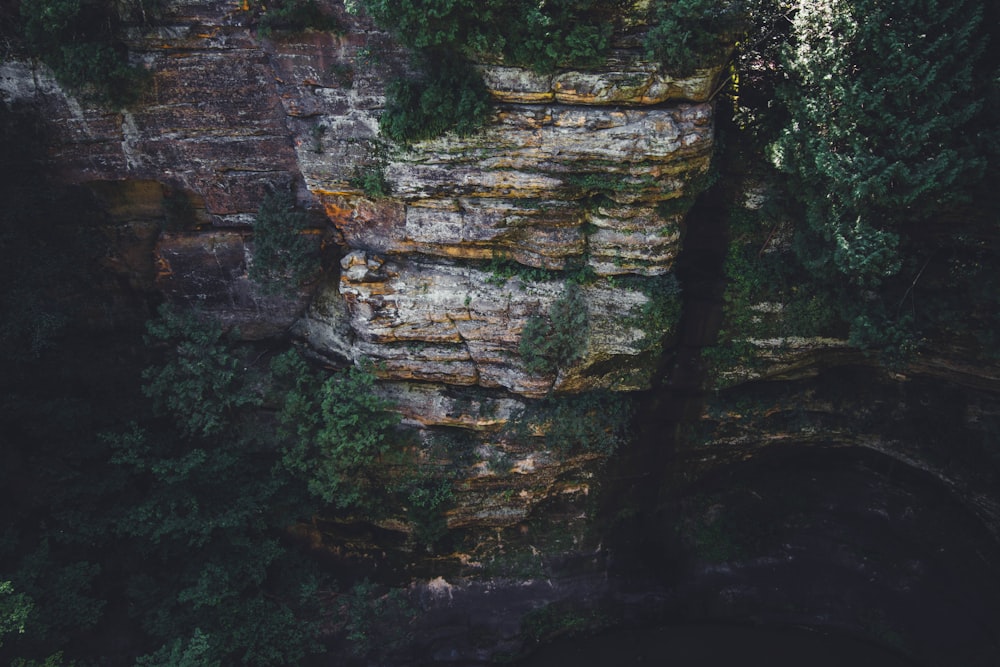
(565, 178)
(580, 178)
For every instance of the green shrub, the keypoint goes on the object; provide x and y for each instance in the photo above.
(449, 96)
(659, 316)
(338, 430)
(284, 254)
(542, 36)
(548, 622)
(14, 610)
(202, 383)
(550, 342)
(502, 268)
(687, 34)
(371, 181)
(367, 610)
(294, 16)
(594, 421)
(426, 502)
(872, 153)
(78, 41)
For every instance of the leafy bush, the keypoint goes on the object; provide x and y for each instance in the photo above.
(14, 610)
(284, 254)
(659, 316)
(884, 147)
(426, 501)
(338, 430)
(884, 108)
(371, 181)
(502, 268)
(295, 16)
(367, 608)
(688, 34)
(78, 41)
(595, 421)
(449, 97)
(202, 383)
(542, 36)
(558, 339)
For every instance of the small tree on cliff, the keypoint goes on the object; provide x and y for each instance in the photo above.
(882, 132)
(284, 254)
(882, 102)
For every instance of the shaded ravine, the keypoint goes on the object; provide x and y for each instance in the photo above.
(842, 538)
(638, 478)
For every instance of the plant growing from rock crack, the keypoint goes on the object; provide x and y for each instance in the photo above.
(688, 34)
(80, 41)
(338, 430)
(284, 254)
(449, 96)
(550, 342)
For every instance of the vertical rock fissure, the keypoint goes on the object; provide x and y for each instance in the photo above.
(645, 474)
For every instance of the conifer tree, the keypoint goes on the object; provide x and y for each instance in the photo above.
(882, 105)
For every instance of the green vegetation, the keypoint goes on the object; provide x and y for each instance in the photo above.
(554, 620)
(880, 212)
(338, 430)
(875, 156)
(502, 268)
(659, 316)
(688, 34)
(597, 421)
(284, 253)
(448, 96)
(14, 610)
(368, 607)
(550, 342)
(542, 36)
(372, 181)
(202, 383)
(79, 41)
(293, 16)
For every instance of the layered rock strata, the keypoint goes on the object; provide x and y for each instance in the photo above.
(582, 175)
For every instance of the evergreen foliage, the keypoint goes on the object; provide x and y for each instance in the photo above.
(687, 34)
(202, 383)
(556, 340)
(884, 133)
(888, 144)
(294, 16)
(78, 40)
(338, 429)
(14, 610)
(284, 254)
(542, 36)
(449, 96)
(593, 422)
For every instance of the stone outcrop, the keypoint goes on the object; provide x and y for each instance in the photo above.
(578, 174)
(579, 177)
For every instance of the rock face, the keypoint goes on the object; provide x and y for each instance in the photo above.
(578, 177)
(581, 181)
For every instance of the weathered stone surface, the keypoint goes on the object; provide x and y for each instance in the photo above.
(228, 149)
(207, 271)
(461, 325)
(624, 79)
(571, 180)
